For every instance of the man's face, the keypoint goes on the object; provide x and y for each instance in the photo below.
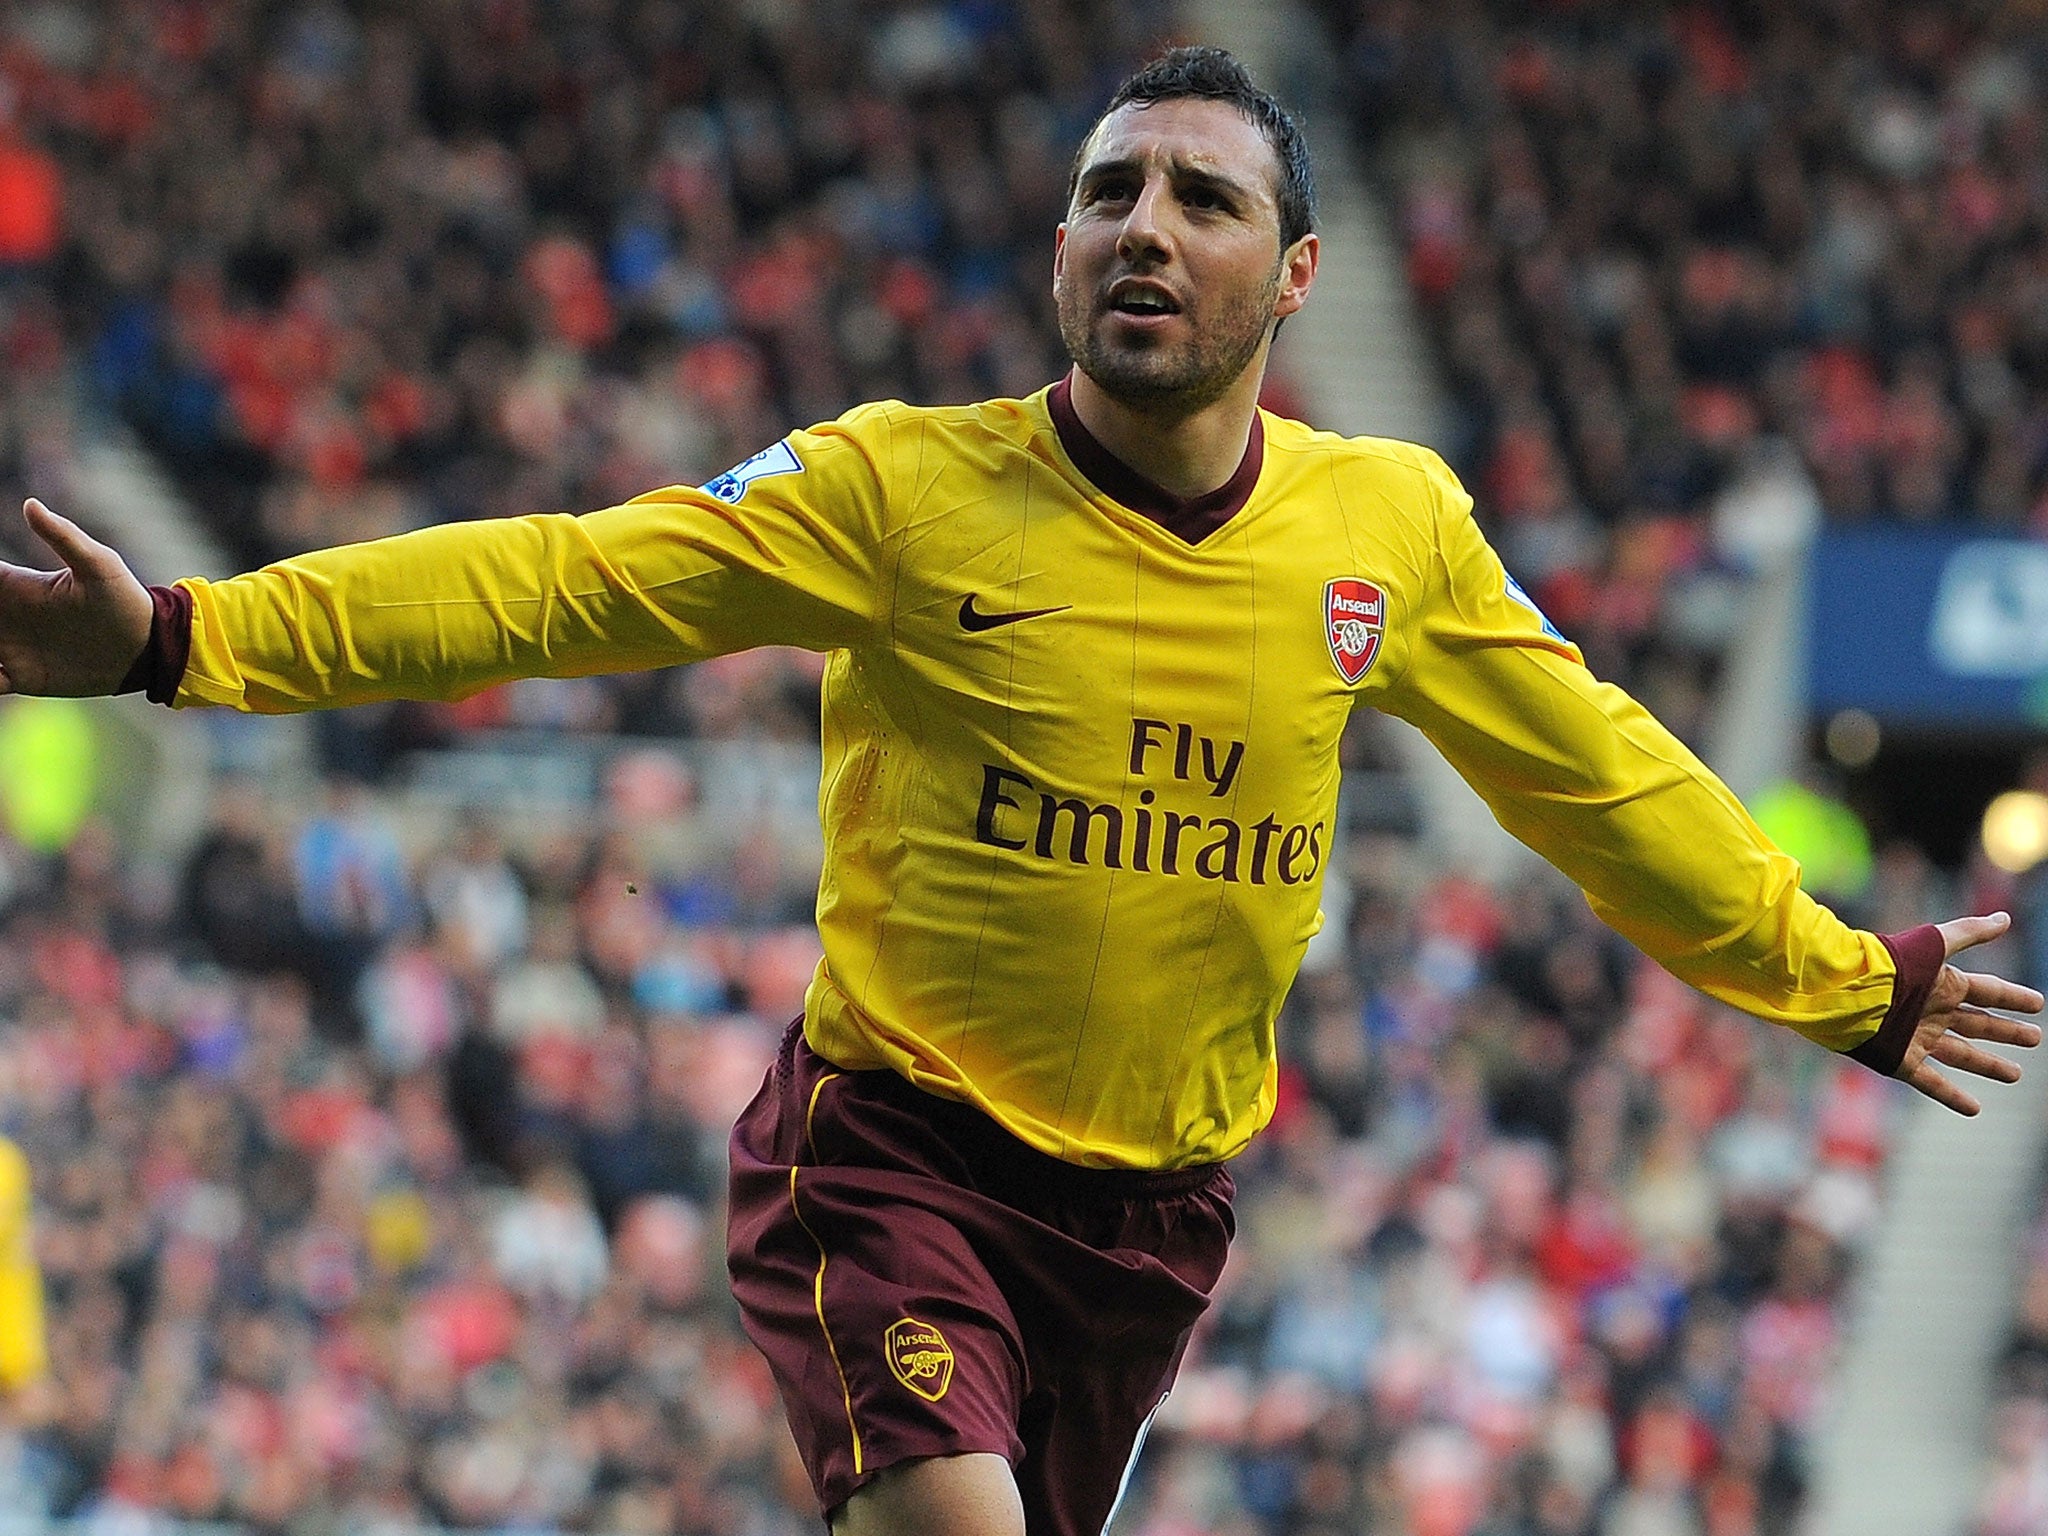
(1169, 272)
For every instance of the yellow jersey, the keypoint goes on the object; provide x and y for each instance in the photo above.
(1080, 740)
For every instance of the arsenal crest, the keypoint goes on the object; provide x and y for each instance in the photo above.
(1354, 618)
(920, 1357)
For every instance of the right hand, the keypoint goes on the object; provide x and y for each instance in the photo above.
(74, 631)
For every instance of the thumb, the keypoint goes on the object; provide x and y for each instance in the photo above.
(1961, 933)
(73, 545)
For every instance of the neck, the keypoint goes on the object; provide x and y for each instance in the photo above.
(1188, 453)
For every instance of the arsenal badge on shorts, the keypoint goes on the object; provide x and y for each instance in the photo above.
(1354, 617)
(920, 1356)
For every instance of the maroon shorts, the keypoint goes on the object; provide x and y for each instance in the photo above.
(924, 1284)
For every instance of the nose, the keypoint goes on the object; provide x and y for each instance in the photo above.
(1143, 236)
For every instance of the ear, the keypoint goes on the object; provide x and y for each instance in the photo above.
(1297, 275)
(1059, 252)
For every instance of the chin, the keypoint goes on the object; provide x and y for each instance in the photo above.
(1138, 371)
(1159, 389)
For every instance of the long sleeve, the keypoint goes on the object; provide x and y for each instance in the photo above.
(672, 576)
(1586, 777)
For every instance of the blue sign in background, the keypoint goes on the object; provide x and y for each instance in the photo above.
(1929, 628)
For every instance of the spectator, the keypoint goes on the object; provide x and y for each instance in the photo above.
(546, 1243)
(1660, 254)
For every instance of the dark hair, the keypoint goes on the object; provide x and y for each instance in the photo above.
(1212, 74)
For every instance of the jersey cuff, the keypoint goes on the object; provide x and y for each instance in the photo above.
(161, 666)
(1919, 954)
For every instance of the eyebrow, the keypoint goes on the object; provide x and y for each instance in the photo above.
(1177, 167)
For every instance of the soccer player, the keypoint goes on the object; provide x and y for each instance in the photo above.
(1091, 654)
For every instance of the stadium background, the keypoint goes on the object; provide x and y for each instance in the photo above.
(374, 1070)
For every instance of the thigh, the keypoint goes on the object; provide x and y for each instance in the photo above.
(960, 1495)
(888, 1338)
(1102, 1360)
(1082, 1443)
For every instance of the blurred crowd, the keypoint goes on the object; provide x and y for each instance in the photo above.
(1701, 273)
(379, 1149)
(352, 268)
(2014, 1499)
(378, 1154)
(1697, 273)
(379, 1166)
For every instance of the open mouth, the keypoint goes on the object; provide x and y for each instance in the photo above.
(1142, 301)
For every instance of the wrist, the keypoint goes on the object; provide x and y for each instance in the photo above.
(1918, 954)
(160, 665)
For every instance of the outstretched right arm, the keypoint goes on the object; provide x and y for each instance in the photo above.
(673, 576)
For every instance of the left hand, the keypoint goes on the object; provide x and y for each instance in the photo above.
(1955, 1016)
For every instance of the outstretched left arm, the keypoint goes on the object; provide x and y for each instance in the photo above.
(1665, 853)
(1956, 1014)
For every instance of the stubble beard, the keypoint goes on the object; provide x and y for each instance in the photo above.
(1168, 380)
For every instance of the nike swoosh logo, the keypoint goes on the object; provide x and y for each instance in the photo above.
(975, 621)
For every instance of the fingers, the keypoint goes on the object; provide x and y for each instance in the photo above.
(1982, 991)
(1961, 933)
(1925, 1079)
(1952, 1050)
(1972, 1024)
(73, 545)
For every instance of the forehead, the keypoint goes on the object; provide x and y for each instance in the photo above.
(1186, 134)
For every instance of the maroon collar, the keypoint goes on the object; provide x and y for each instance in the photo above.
(1190, 519)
